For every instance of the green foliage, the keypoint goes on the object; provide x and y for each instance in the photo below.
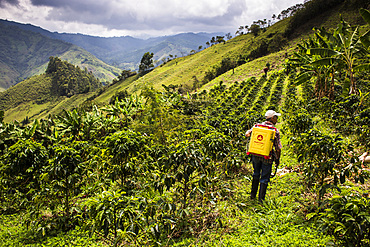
(299, 122)
(69, 80)
(119, 96)
(226, 65)
(123, 149)
(169, 167)
(347, 218)
(310, 10)
(127, 108)
(20, 169)
(62, 176)
(329, 54)
(13, 233)
(146, 62)
(255, 29)
(106, 211)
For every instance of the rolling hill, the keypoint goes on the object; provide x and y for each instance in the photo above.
(125, 52)
(24, 54)
(272, 46)
(171, 168)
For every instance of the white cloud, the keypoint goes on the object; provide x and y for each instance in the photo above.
(140, 17)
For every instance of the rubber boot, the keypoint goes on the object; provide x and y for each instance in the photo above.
(255, 183)
(262, 192)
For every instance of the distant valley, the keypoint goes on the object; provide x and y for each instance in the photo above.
(33, 45)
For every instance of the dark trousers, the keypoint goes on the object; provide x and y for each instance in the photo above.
(262, 169)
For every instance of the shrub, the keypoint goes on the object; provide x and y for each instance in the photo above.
(347, 219)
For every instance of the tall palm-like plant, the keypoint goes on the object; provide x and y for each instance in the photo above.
(365, 38)
(309, 69)
(126, 109)
(70, 124)
(343, 50)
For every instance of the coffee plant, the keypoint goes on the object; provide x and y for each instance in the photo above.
(164, 167)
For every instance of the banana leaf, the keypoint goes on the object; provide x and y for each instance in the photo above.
(362, 67)
(365, 39)
(324, 52)
(365, 15)
(303, 77)
(326, 61)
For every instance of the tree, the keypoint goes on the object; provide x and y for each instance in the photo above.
(213, 40)
(255, 29)
(240, 31)
(273, 17)
(146, 62)
(309, 70)
(126, 74)
(220, 39)
(341, 50)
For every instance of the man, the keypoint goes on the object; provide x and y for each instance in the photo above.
(262, 167)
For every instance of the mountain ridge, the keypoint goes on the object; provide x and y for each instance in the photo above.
(25, 53)
(125, 51)
(189, 73)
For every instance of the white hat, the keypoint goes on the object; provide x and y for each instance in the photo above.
(271, 113)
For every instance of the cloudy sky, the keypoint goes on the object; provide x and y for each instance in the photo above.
(141, 18)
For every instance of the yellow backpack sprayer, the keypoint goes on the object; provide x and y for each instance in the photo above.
(261, 142)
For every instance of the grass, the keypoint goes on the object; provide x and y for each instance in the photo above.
(110, 91)
(14, 233)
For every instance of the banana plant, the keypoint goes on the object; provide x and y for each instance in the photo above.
(126, 109)
(309, 69)
(365, 38)
(93, 123)
(341, 49)
(71, 124)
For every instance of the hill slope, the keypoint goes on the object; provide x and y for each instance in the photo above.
(24, 54)
(270, 46)
(174, 171)
(40, 94)
(125, 52)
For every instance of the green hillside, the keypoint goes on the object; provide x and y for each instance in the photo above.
(186, 70)
(18, 53)
(272, 46)
(24, 54)
(165, 166)
(41, 95)
(125, 52)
